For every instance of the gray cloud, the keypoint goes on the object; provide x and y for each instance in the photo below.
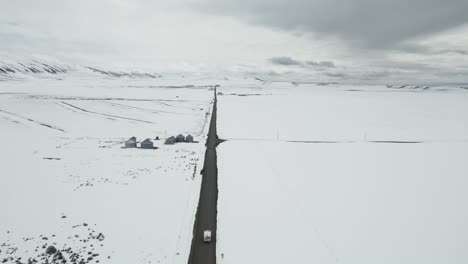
(288, 61)
(428, 50)
(327, 64)
(336, 74)
(455, 51)
(367, 23)
(283, 60)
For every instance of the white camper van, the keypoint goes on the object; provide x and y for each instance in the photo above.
(207, 236)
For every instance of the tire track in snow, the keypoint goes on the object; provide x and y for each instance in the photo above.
(78, 111)
(81, 98)
(144, 109)
(11, 120)
(34, 121)
(107, 115)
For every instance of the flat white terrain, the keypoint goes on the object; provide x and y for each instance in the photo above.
(342, 174)
(309, 173)
(66, 180)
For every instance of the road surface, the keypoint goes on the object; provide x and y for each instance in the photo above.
(205, 219)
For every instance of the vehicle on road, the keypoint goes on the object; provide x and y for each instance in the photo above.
(207, 236)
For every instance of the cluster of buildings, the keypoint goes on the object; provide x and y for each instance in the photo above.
(145, 144)
(148, 144)
(179, 138)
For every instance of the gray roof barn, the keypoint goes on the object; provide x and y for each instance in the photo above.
(170, 140)
(131, 143)
(147, 144)
(180, 138)
(189, 138)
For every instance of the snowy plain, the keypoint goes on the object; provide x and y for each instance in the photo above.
(309, 172)
(68, 182)
(342, 174)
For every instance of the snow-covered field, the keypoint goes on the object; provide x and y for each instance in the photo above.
(66, 180)
(342, 174)
(309, 173)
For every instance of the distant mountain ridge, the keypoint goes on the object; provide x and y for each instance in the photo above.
(45, 69)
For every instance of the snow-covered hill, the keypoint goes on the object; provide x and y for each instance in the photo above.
(36, 68)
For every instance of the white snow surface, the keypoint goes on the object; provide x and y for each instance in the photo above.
(67, 181)
(310, 173)
(342, 174)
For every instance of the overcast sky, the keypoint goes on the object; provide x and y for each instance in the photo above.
(393, 41)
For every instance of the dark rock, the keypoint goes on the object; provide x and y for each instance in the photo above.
(58, 255)
(51, 250)
(100, 237)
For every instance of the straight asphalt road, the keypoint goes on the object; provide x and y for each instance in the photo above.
(205, 219)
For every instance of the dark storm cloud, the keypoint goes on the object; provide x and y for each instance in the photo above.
(369, 23)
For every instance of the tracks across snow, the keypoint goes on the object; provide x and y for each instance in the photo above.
(103, 114)
(83, 98)
(113, 100)
(154, 111)
(33, 121)
(10, 120)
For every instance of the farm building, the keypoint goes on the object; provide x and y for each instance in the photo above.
(147, 144)
(131, 143)
(180, 138)
(189, 138)
(170, 141)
